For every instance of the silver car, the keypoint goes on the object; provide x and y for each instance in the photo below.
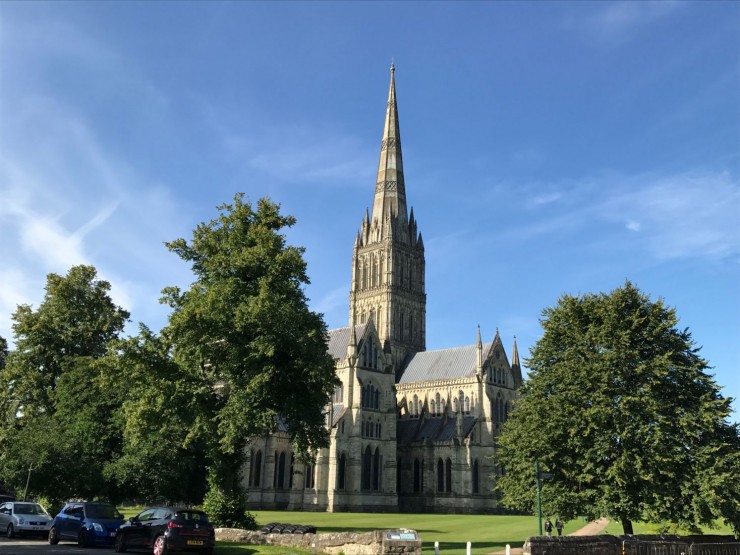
(24, 518)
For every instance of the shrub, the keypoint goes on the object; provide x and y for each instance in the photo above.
(228, 509)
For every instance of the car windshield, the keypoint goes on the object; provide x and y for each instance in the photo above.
(101, 511)
(29, 509)
(194, 516)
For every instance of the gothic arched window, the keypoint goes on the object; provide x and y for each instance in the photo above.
(440, 476)
(341, 471)
(257, 469)
(476, 486)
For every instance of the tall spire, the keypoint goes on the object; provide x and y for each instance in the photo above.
(515, 355)
(390, 189)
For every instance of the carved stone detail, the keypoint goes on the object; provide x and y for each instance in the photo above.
(390, 142)
(386, 186)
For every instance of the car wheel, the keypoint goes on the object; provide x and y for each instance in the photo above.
(82, 539)
(160, 547)
(53, 538)
(10, 532)
(120, 545)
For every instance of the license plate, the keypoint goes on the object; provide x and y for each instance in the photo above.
(112, 534)
(195, 542)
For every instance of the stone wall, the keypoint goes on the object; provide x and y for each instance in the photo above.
(370, 543)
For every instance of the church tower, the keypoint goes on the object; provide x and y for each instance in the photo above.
(388, 257)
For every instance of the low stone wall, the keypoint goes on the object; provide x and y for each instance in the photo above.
(664, 544)
(369, 543)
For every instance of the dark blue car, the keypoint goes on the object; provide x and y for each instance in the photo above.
(86, 523)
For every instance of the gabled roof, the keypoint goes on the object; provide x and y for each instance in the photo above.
(443, 364)
(338, 411)
(339, 339)
(433, 429)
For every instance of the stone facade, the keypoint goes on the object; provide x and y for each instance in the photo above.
(411, 430)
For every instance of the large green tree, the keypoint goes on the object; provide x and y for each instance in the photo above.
(51, 427)
(162, 417)
(245, 327)
(619, 409)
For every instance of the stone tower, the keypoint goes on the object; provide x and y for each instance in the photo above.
(388, 257)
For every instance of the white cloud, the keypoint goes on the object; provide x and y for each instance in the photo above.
(632, 225)
(693, 215)
(620, 19)
(681, 216)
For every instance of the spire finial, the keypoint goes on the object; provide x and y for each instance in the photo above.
(393, 66)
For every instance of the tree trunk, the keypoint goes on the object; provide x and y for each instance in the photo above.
(627, 526)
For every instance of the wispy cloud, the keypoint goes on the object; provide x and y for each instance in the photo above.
(668, 216)
(680, 216)
(619, 20)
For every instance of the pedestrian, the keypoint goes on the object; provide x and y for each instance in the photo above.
(559, 526)
(548, 527)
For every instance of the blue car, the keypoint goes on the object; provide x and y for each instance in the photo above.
(86, 523)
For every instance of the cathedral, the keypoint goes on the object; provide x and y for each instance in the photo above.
(410, 430)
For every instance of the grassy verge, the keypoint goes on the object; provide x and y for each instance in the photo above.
(615, 528)
(486, 533)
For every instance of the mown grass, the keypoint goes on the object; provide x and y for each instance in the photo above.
(615, 528)
(486, 533)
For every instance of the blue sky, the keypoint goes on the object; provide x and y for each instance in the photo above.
(549, 148)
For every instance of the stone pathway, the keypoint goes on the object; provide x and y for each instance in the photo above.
(591, 529)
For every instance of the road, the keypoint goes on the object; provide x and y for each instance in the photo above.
(34, 546)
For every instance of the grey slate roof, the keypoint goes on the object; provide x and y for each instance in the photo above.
(434, 429)
(339, 339)
(443, 364)
(337, 413)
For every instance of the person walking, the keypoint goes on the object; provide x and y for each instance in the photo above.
(559, 526)
(548, 527)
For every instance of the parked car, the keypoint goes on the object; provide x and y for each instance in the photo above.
(163, 530)
(24, 518)
(86, 523)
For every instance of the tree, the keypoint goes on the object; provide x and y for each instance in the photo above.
(52, 367)
(162, 419)
(244, 325)
(620, 410)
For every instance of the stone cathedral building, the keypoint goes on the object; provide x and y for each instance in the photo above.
(411, 430)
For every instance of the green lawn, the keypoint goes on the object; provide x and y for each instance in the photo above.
(615, 528)
(487, 533)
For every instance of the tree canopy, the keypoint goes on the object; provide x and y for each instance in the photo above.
(245, 325)
(52, 425)
(620, 410)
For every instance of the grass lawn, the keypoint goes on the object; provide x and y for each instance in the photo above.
(486, 533)
(615, 528)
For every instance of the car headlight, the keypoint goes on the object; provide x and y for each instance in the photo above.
(97, 526)
(21, 520)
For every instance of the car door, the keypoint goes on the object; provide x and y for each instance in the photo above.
(63, 521)
(73, 522)
(159, 523)
(5, 512)
(138, 533)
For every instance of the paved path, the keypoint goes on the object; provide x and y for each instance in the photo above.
(591, 529)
